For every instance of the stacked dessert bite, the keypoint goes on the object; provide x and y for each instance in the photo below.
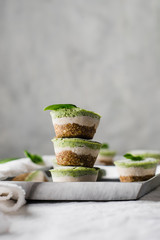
(73, 127)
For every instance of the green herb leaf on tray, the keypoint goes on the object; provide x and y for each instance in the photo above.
(59, 106)
(34, 158)
(104, 146)
(7, 160)
(132, 157)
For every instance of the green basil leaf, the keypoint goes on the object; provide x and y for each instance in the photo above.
(132, 157)
(59, 106)
(34, 158)
(104, 146)
(7, 160)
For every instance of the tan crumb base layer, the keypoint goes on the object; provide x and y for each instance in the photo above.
(106, 163)
(135, 178)
(69, 158)
(20, 177)
(74, 130)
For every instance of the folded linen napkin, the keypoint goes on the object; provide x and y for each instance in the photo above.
(22, 165)
(12, 197)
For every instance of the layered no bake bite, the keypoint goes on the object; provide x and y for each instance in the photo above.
(74, 174)
(76, 152)
(73, 127)
(135, 168)
(70, 121)
(105, 156)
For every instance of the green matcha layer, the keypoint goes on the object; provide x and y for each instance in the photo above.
(73, 171)
(73, 112)
(107, 152)
(146, 163)
(75, 142)
(146, 154)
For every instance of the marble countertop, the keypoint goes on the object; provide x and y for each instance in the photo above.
(88, 220)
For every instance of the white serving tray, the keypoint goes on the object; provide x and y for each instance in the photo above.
(105, 190)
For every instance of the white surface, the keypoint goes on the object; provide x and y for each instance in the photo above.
(111, 171)
(5, 224)
(88, 220)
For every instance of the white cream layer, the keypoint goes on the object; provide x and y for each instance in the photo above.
(81, 120)
(86, 178)
(136, 171)
(78, 150)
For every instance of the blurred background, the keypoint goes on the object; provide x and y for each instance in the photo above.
(102, 55)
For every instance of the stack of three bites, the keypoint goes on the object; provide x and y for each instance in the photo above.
(75, 152)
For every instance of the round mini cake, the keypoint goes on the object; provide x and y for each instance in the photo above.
(146, 153)
(136, 170)
(74, 174)
(76, 152)
(70, 121)
(105, 156)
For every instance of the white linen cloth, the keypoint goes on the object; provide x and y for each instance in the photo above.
(22, 165)
(12, 197)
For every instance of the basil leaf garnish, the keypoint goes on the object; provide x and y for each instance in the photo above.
(59, 106)
(104, 146)
(132, 157)
(7, 160)
(34, 158)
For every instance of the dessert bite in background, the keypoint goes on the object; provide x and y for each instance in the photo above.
(105, 156)
(35, 176)
(136, 168)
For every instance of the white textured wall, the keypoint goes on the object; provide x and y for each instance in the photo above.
(102, 55)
